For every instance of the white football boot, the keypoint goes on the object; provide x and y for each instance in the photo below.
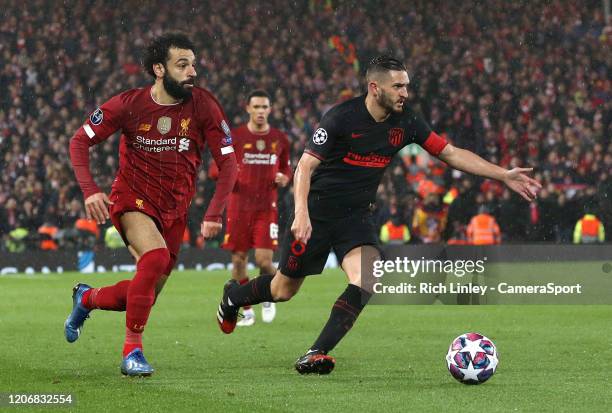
(248, 319)
(268, 312)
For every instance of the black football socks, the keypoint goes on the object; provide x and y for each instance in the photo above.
(345, 311)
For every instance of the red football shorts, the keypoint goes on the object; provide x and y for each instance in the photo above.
(251, 229)
(171, 230)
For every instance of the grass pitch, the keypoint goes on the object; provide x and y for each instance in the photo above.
(552, 358)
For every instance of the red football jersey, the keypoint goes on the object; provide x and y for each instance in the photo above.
(160, 148)
(260, 157)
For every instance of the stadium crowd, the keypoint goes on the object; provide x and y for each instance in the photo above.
(520, 83)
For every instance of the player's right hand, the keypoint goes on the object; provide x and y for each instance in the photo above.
(301, 227)
(210, 229)
(96, 207)
(281, 179)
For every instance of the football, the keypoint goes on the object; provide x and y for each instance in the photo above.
(472, 358)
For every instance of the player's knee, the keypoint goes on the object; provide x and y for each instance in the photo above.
(284, 292)
(163, 260)
(263, 263)
(239, 263)
(239, 259)
(155, 263)
(283, 295)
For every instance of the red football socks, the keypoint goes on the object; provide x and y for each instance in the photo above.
(86, 297)
(135, 296)
(132, 341)
(141, 291)
(111, 298)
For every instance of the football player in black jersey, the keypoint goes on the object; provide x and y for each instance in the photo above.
(335, 186)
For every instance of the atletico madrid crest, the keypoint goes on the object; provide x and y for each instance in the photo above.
(292, 263)
(396, 136)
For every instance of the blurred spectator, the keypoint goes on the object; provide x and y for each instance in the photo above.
(87, 225)
(462, 208)
(483, 229)
(17, 240)
(394, 231)
(589, 230)
(47, 233)
(513, 217)
(458, 234)
(112, 238)
(429, 220)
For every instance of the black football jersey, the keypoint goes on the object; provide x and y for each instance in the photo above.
(355, 150)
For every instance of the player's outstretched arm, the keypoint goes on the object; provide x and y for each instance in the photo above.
(301, 227)
(469, 162)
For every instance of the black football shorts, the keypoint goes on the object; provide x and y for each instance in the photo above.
(339, 234)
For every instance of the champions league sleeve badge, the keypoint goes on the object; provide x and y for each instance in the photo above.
(228, 134)
(320, 136)
(96, 117)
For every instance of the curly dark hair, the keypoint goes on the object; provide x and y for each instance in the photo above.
(158, 50)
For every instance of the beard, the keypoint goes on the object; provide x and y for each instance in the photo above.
(385, 101)
(177, 89)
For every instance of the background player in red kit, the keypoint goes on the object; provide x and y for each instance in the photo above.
(262, 153)
(164, 130)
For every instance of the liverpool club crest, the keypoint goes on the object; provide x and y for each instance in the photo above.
(184, 127)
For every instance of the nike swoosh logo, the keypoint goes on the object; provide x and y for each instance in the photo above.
(357, 135)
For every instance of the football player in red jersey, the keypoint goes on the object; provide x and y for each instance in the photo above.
(262, 153)
(164, 129)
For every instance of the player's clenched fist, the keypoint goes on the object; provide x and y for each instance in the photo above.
(96, 207)
(281, 179)
(210, 229)
(301, 227)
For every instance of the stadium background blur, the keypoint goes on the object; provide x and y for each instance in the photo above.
(520, 83)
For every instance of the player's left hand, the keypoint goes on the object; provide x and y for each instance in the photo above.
(520, 183)
(210, 229)
(281, 180)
